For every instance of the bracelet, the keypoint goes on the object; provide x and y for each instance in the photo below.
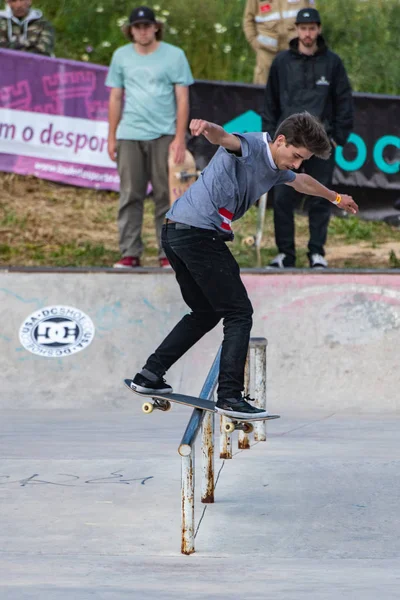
(338, 199)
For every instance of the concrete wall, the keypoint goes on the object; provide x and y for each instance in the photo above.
(333, 338)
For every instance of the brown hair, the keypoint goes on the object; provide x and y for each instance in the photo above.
(127, 31)
(302, 130)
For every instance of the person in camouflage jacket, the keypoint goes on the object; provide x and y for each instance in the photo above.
(23, 28)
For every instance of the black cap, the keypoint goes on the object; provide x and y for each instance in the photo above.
(142, 14)
(308, 15)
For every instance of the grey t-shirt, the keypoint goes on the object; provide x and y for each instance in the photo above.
(230, 185)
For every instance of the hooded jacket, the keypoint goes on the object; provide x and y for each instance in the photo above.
(317, 84)
(32, 34)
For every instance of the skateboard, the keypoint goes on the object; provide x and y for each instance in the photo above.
(163, 402)
(180, 176)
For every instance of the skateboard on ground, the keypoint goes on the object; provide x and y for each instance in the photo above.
(181, 176)
(163, 402)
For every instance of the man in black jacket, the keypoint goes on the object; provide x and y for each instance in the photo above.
(308, 77)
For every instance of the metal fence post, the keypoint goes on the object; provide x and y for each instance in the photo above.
(260, 385)
(225, 442)
(243, 438)
(187, 541)
(207, 451)
(187, 452)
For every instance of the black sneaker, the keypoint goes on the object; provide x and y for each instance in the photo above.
(144, 386)
(239, 407)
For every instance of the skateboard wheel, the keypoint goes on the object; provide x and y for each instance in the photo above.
(249, 241)
(229, 427)
(166, 406)
(147, 407)
(248, 427)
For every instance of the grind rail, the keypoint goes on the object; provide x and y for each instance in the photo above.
(255, 385)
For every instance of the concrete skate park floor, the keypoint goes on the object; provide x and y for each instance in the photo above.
(90, 486)
(91, 509)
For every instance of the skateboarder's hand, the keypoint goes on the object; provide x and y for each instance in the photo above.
(178, 148)
(112, 149)
(347, 203)
(215, 134)
(211, 131)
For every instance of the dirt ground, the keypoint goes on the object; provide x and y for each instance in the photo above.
(41, 211)
(39, 214)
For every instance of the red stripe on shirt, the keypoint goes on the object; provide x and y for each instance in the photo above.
(225, 213)
(226, 226)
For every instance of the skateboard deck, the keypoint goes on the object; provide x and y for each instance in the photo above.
(163, 402)
(180, 176)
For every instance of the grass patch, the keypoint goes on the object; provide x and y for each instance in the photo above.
(363, 33)
(352, 229)
(5, 252)
(9, 218)
(76, 227)
(393, 260)
(81, 255)
(106, 214)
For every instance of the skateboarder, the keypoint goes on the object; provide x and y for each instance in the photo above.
(197, 227)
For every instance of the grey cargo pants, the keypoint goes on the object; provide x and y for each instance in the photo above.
(138, 163)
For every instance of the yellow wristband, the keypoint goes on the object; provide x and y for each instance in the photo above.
(338, 199)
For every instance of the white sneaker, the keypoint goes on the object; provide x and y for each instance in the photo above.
(277, 262)
(317, 261)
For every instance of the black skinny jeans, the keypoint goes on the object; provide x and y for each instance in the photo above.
(209, 278)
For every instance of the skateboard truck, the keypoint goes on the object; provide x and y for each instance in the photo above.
(245, 426)
(148, 407)
(232, 426)
(185, 175)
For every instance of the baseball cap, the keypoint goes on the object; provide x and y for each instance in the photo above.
(142, 14)
(308, 15)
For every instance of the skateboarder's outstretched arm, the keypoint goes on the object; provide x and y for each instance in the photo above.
(305, 184)
(215, 134)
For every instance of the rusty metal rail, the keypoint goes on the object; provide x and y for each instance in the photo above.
(255, 385)
(187, 452)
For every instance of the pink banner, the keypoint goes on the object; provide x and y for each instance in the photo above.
(53, 120)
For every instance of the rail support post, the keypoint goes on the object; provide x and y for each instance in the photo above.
(187, 542)
(187, 452)
(225, 442)
(207, 448)
(260, 385)
(243, 438)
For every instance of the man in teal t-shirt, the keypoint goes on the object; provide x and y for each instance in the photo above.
(145, 126)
